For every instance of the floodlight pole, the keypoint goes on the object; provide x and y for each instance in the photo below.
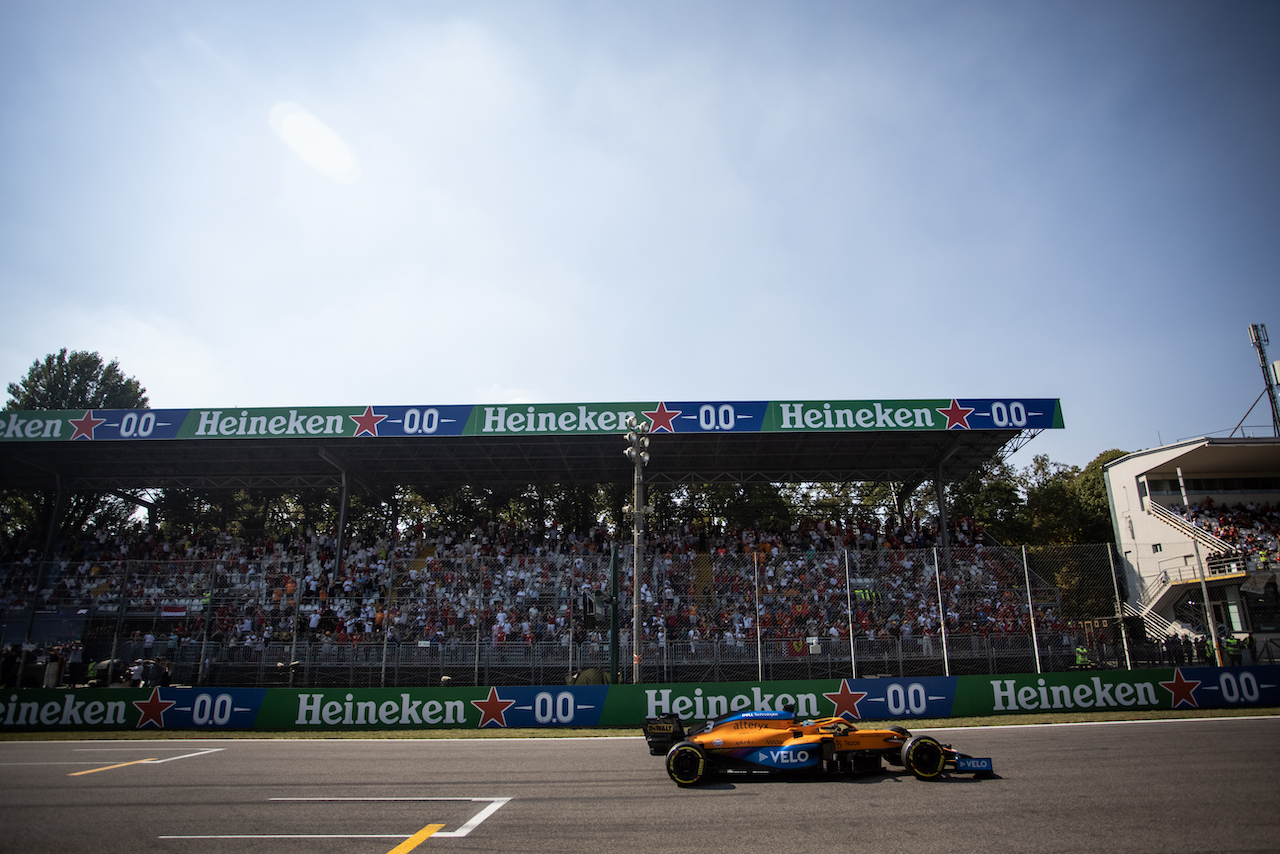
(1258, 337)
(637, 561)
(638, 439)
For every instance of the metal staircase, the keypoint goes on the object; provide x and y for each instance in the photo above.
(1208, 541)
(1157, 626)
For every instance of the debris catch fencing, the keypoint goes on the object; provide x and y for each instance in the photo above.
(464, 618)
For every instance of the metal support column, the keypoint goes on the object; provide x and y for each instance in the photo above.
(1204, 586)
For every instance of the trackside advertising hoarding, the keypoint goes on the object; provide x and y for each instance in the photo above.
(439, 420)
(321, 710)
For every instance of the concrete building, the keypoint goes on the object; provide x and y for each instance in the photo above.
(1172, 557)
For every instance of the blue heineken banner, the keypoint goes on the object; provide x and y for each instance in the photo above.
(425, 421)
(321, 710)
(124, 709)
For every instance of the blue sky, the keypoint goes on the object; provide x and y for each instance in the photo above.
(311, 203)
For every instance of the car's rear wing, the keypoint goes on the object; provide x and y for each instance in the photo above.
(662, 732)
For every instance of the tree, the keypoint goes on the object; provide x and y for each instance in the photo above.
(1052, 513)
(1046, 503)
(65, 381)
(1092, 491)
(76, 380)
(993, 498)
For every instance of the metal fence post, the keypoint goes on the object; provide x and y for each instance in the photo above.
(1031, 609)
(942, 613)
(296, 621)
(475, 679)
(115, 640)
(1211, 625)
(755, 563)
(386, 622)
(1124, 632)
(848, 599)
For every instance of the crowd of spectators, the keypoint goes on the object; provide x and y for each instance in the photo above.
(501, 585)
(1250, 530)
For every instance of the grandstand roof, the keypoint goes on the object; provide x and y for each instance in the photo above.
(1208, 457)
(748, 451)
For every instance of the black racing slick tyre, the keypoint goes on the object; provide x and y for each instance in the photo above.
(686, 764)
(924, 757)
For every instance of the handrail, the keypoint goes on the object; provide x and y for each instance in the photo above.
(1227, 564)
(1149, 617)
(1152, 594)
(1205, 538)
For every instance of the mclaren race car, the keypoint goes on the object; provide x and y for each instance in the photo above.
(771, 742)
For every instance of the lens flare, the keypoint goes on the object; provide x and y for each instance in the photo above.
(315, 143)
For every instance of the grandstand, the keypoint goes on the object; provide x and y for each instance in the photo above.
(1194, 516)
(859, 593)
(494, 606)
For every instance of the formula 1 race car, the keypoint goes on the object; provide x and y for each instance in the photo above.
(770, 742)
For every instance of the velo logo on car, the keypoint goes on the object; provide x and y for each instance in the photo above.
(787, 757)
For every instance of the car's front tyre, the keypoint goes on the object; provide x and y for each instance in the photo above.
(924, 757)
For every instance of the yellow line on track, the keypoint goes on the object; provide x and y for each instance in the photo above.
(109, 767)
(417, 839)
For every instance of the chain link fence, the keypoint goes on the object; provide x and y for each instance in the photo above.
(751, 612)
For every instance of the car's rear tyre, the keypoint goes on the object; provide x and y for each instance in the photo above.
(686, 764)
(924, 757)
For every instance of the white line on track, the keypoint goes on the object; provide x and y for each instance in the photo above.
(299, 836)
(1101, 723)
(495, 804)
(145, 748)
(17, 764)
(203, 752)
(146, 744)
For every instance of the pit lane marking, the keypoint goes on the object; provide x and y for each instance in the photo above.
(109, 767)
(417, 839)
(152, 761)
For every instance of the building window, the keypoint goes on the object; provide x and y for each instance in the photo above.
(1156, 548)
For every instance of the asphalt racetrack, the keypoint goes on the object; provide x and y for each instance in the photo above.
(1159, 786)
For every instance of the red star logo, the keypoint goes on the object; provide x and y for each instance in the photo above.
(153, 709)
(367, 423)
(846, 701)
(493, 709)
(86, 425)
(957, 415)
(1183, 690)
(661, 418)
